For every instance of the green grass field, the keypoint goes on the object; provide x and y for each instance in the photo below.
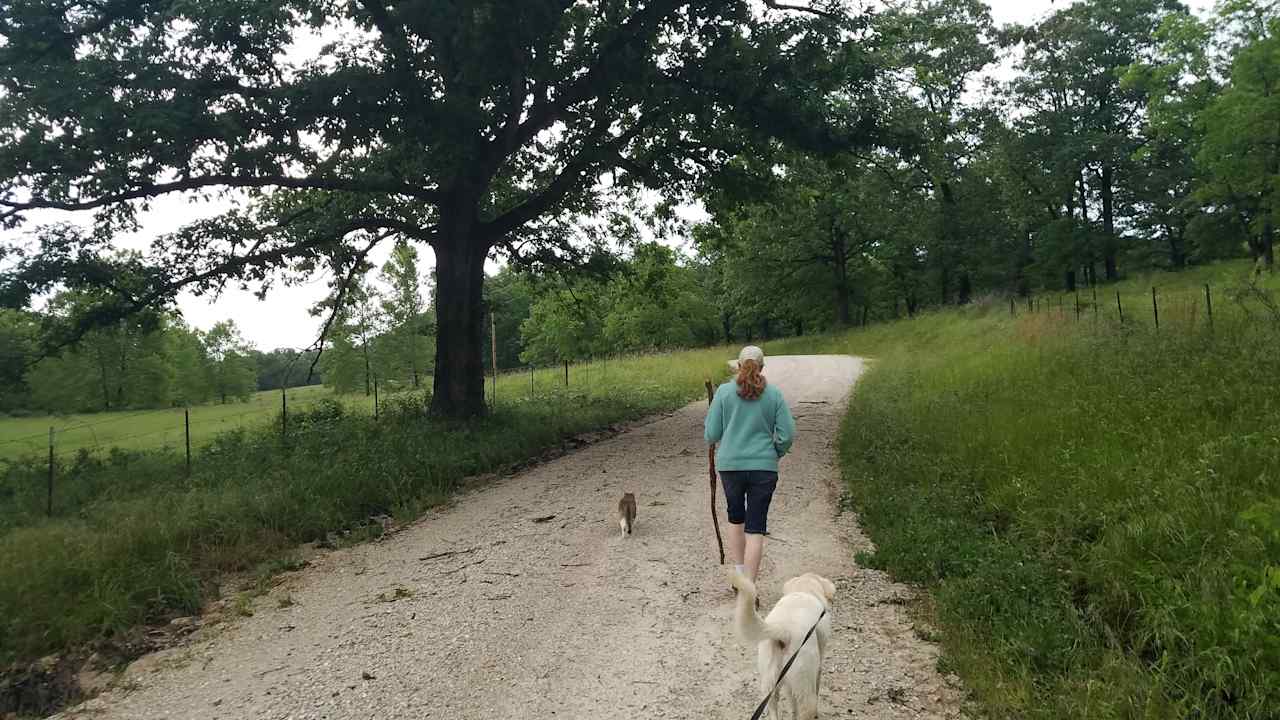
(146, 429)
(164, 428)
(1095, 507)
(134, 540)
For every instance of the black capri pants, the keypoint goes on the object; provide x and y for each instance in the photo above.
(748, 493)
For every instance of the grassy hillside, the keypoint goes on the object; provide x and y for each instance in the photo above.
(147, 429)
(1095, 507)
(134, 540)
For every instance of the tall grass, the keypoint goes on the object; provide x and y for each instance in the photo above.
(1095, 507)
(135, 540)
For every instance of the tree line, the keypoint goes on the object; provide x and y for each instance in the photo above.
(857, 164)
(1129, 135)
(148, 360)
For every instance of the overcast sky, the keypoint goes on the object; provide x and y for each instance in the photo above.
(282, 319)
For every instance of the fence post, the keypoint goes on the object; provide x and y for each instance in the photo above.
(49, 505)
(1208, 303)
(1119, 307)
(566, 373)
(1077, 306)
(375, 398)
(186, 422)
(1155, 307)
(1094, 285)
(284, 416)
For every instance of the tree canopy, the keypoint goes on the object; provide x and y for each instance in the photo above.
(471, 127)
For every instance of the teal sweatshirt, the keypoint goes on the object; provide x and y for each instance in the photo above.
(752, 434)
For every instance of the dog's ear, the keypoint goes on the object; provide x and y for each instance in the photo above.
(829, 587)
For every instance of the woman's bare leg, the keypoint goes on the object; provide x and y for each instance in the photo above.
(735, 540)
(754, 551)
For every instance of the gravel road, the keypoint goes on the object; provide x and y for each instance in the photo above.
(520, 600)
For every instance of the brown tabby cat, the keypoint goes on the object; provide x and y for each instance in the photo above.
(627, 513)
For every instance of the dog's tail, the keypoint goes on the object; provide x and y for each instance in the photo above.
(751, 626)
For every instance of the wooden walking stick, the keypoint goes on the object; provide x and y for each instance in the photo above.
(711, 464)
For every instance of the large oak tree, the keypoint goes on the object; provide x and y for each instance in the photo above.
(473, 127)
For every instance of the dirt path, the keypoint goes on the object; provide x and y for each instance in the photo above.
(562, 617)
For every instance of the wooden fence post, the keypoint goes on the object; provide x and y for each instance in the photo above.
(49, 505)
(1208, 303)
(1119, 307)
(1155, 307)
(186, 421)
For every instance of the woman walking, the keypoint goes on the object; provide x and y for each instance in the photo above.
(750, 422)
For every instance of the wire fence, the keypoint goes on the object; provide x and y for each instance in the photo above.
(1172, 310)
(187, 429)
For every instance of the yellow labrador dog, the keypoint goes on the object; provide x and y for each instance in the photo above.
(778, 634)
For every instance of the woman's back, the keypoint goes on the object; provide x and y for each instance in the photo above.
(750, 434)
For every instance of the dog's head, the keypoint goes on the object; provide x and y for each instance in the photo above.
(814, 584)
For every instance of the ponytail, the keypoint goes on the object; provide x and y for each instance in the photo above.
(750, 380)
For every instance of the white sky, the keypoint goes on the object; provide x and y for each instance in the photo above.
(282, 319)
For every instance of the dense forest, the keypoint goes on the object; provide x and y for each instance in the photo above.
(1107, 138)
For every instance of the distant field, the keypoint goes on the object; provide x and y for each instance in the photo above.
(147, 429)
(163, 428)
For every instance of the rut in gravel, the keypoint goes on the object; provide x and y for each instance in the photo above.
(520, 600)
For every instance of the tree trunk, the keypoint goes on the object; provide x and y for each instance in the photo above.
(966, 289)
(106, 385)
(840, 265)
(726, 322)
(364, 345)
(1177, 249)
(844, 314)
(1071, 281)
(1269, 245)
(1111, 245)
(458, 385)
(123, 367)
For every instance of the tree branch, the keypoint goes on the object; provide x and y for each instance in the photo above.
(233, 265)
(343, 288)
(773, 4)
(603, 74)
(147, 191)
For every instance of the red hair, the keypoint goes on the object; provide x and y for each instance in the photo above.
(750, 380)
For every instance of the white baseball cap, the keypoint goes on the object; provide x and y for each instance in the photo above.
(750, 352)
